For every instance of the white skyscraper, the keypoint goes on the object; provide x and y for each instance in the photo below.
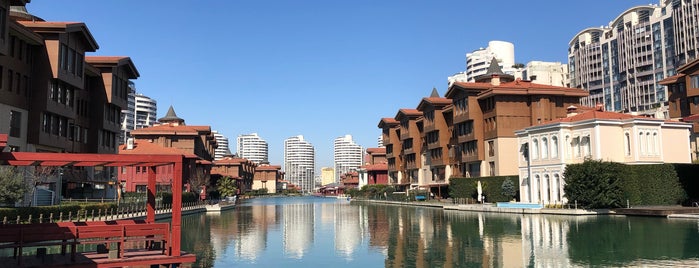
(299, 162)
(253, 148)
(347, 155)
(222, 148)
(141, 112)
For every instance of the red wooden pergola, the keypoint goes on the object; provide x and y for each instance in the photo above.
(114, 160)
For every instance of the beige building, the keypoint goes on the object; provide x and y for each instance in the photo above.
(546, 149)
(327, 176)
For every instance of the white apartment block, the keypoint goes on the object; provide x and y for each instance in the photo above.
(347, 154)
(141, 112)
(546, 73)
(299, 163)
(222, 148)
(478, 61)
(622, 63)
(252, 147)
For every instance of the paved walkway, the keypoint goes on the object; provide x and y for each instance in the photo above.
(668, 211)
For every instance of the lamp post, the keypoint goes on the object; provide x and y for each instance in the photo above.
(59, 186)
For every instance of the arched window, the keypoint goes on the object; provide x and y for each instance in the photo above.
(576, 146)
(554, 147)
(627, 143)
(547, 189)
(538, 188)
(535, 149)
(567, 147)
(544, 148)
(656, 147)
(587, 149)
(641, 143)
(649, 144)
(559, 188)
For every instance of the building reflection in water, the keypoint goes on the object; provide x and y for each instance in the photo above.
(298, 228)
(347, 234)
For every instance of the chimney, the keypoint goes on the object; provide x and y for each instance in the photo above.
(129, 144)
(599, 107)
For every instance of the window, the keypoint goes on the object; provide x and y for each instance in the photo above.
(694, 81)
(535, 149)
(576, 146)
(641, 143)
(544, 148)
(554, 147)
(491, 148)
(627, 143)
(587, 151)
(15, 124)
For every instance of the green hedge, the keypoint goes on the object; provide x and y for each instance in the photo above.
(639, 185)
(687, 174)
(492, 187)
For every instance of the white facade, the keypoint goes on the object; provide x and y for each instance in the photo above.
(222, 148)
(347, 155)
(621, 64)
(546, 73)
(252, 147)
(141, 112)
(546, 149)
(477, 62)
(299, 162)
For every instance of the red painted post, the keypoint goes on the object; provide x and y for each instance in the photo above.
(177, 206)
(150, 210)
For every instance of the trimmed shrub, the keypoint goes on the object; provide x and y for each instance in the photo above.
(492, 188)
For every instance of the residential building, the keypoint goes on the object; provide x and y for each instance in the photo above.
(59, 99)
(375, 171)
(621, 64)
(546, 149)
(683, 99)
(327, 176)
(347, 155)
(172, 132)
(141, 111)
(269, 177)
(478, 61)
(437, 118)
(253, 147)
(222, 149)
(299, 163)
(240, 170)
(391, 139)
(470, 131)
(546, 73)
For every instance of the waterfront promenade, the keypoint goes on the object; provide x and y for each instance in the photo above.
(658, 211)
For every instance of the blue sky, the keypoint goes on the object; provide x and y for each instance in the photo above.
(317, 68)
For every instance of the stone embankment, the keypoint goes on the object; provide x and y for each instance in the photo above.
(670, 212)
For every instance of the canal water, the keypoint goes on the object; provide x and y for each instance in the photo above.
(326, 232)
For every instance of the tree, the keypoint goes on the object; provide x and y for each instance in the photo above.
(508, 189)
(201, 178)
(226, 187)
(12, 187)
(595, 184)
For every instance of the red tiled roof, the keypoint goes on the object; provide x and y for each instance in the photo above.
(144, 147)
(381, 150)
(387, 121)
(377, 167)
(229, 160)
(671, 80)
(167, 129)
(519, 86)
(435, 101)
(104, 59)
(594, 114)
(691, 118)
(268, 167)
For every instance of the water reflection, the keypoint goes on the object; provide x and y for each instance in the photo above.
(305, 232)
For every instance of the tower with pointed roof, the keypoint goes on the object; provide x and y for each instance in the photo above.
(171, 118)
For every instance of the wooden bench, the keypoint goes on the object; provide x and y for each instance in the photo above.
(20, 236)
(150, 233)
